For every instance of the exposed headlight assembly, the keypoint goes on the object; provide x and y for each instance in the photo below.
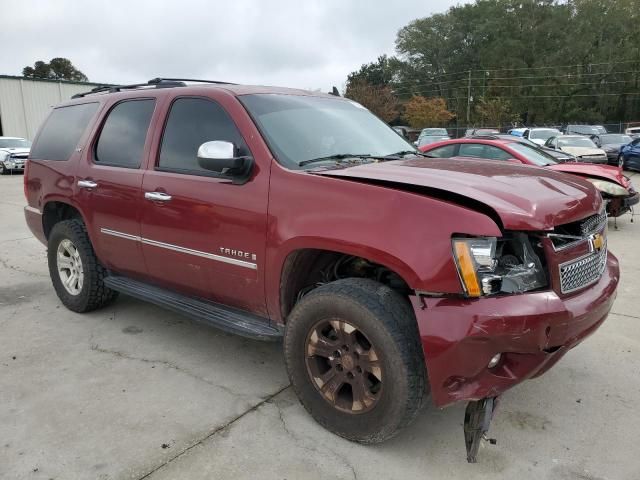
(490, 265)
(609, 188)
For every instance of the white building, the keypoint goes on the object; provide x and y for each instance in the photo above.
(25, 102)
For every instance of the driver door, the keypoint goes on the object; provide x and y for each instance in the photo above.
(202, 235)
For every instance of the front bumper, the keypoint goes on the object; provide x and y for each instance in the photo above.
(617, 206)
(597, 160)
(532, 331)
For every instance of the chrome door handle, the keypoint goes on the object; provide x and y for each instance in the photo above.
(87, 184)
(157, 196)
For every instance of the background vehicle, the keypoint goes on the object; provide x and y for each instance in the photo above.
(580, 146)
(632, 131)
(432, 135)
(470, 132)
(585, 130)
(242, 206)
(611, 143)
(629, 157)
(13, 154)
(558, 155)
(540, 135)
(615, 188)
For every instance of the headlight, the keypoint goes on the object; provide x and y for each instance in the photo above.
(609, 188)
(8, 164)
(490, 265)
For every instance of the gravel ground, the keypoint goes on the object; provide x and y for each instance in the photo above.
(133, 392)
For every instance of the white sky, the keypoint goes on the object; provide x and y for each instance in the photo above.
(305, 44)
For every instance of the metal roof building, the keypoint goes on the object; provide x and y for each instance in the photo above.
(25, 102)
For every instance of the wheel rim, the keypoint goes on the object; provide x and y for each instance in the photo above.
(344, 366)
(70, 267)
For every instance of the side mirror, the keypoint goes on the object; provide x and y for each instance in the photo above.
(220, 157)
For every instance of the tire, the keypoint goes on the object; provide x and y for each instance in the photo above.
(3, 171)
(384, 320)
(621, 162)
(88, 293)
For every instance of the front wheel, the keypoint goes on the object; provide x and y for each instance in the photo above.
(76, 273)
(354, 358)
(621, 162)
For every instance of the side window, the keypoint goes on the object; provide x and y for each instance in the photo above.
(61, 132)
(495, 153)
(443, 152)
(121, 141)
(471, 150)
(192, 122)
(550, 141)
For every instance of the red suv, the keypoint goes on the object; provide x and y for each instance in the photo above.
(277, 213)
(616, 189)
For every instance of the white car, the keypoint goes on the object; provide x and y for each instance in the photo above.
(13, 154)
(540, 135)
(580, 146)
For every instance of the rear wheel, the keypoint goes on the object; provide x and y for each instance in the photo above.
(76, 273)
(354, 358)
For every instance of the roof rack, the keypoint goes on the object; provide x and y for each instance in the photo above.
(154, 82)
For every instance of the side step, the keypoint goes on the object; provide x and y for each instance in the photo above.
(225, 318)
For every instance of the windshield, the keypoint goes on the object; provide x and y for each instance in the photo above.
(544, 133)
(442, 132)
(300, 128)
(615, 139)
(534, 155)
(576, 142)
(14, 143)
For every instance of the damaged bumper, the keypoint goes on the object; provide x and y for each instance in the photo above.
(531, 332)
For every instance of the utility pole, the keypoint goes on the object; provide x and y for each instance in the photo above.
(469, 98)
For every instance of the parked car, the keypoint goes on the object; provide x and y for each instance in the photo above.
(580, 146)
(431, 135)
(585, 130)
(611, 143)
(402, 131)
(281, 214)
(540, 135)
(629, 157)
(13, 154)
(617, 190)
(632, 131)
(470, 132)
(558, 155)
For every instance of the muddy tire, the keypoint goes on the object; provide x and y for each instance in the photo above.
(76, 273)
(354, 358)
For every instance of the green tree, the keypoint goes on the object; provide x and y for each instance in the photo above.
(377, 98)
(57, 69)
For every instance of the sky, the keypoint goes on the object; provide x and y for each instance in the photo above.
(307, 44)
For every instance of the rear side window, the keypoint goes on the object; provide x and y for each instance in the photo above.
(483, 151)
(61, 132)
(192, 122)
(123, 134)
(443, 152)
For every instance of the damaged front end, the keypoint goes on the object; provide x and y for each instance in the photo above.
(528, 299)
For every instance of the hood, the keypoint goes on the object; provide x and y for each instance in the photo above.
(523, 197)
(583, 151)
(15, 150)
(604, 172)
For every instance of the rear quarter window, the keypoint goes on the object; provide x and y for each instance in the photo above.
(61, 132)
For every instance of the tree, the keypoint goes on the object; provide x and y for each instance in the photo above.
(495, 112)
(377, 98)
(57, 69)
(379, 72)
(423, 112)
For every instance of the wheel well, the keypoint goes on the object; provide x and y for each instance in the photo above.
(307, 269)
(55, 212)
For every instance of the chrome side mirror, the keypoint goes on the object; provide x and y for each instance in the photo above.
(219, 156)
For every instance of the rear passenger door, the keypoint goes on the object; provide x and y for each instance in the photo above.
(202, 235)
(109, 180)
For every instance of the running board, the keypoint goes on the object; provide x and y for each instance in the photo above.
(225, 318)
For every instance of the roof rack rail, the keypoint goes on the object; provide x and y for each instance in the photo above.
(154, 82)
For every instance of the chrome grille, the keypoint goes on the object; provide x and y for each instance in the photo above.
(583, 271)
(591, 224)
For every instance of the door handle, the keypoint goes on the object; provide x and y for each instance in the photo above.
(157, 196)
(87, 184)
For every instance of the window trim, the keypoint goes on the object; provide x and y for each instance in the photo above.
(185, 171)
(98, 134)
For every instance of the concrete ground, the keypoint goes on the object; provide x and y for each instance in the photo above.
(135, 392)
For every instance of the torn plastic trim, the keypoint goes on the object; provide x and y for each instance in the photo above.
(477, 419)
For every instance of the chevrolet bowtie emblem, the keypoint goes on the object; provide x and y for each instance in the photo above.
(598, 241)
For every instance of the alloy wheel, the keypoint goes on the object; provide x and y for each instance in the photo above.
(344, 366)
(69, 266)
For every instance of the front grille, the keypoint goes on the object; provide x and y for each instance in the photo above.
(593, 223)
(582, 272)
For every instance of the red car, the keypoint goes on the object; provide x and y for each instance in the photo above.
(616, 189)
(281, 214)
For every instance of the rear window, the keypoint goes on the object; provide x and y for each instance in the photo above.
(61, 132)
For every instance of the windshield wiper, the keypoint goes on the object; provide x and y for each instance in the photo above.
(402, 153)
(337, 156)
